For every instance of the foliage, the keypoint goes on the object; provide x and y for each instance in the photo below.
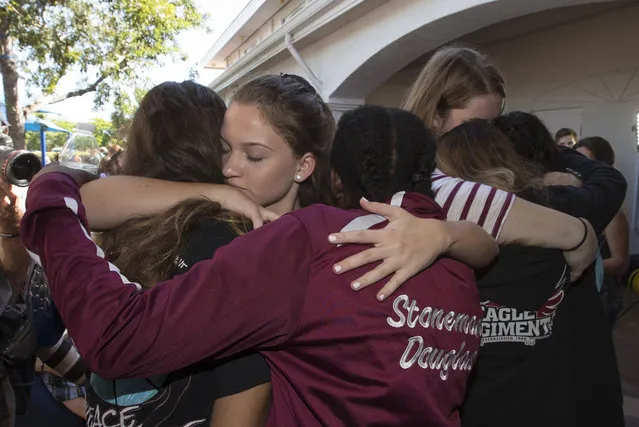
(103, 132)
(110, 43)
(125, 105)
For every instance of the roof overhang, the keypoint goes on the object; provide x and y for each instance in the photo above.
(250, 19)
(316, 21)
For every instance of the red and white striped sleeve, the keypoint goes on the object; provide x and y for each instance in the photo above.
(462, 200)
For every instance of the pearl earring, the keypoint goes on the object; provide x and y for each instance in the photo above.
(298, 177)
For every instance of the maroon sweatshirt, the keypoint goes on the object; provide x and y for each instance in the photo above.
(337, 357)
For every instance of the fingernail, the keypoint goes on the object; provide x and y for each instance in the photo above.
(381, 297)
(332, 239)
(356, 285)
(337, 268)
(364, 199)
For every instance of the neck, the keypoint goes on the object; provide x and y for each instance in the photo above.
(284, 206)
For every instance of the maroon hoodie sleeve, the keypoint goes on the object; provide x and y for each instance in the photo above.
(249, 295)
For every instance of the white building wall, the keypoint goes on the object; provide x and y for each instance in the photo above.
(588, 71)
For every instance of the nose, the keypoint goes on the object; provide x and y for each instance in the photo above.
(232, 167)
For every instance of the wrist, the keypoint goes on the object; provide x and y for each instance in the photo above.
(448, 236)
(579, 235)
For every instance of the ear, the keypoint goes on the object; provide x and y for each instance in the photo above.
(305, 167)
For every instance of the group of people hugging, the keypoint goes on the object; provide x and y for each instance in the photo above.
(260, 264)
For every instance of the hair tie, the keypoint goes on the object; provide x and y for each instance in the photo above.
(583, 239)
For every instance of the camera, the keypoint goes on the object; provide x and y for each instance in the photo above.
(18, 167)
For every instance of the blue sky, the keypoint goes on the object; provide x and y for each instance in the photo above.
(222, 13)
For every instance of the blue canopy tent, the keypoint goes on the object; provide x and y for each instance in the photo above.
(36, 124)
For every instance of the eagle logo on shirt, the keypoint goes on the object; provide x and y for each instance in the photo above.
(510, 324)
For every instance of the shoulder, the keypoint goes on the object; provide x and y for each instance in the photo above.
(448, 189)
(455, 193)
(203, 241)
(239, 373)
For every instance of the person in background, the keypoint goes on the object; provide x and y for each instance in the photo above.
(17, 348)
(566, 137)
(614, 241)
(26, 396)
(5, 139)
(112, 164)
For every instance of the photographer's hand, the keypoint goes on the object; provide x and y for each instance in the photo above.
(11, 209)
(14, 260)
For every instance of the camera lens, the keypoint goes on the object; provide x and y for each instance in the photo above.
(25, 166)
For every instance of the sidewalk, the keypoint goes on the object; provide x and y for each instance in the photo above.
(626, 336)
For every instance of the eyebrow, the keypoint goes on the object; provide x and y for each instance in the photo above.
(255, 144)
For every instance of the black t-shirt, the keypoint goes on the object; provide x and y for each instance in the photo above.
(570, 377)
(184, 397)
(517, 381)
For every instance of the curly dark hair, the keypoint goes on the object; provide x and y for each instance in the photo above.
(531, 139)
(379, 151)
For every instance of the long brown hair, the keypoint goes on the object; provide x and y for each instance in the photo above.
(175, 136)
(296, 112)
(451, 77)
(478, 151)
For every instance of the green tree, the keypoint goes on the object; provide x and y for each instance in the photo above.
(104, 132)
(110, 42)
(125, 105)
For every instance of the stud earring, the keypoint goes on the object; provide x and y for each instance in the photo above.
(298, 177)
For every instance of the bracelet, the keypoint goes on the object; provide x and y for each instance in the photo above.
(583, 239)
(9, 236)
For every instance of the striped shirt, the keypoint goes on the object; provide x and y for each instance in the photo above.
(462, 200)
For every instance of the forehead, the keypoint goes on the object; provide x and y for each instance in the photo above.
(244, 123)
(487, 107)
(566, 138)
(243, 119)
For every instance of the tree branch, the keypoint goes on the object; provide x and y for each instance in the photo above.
(59, 98)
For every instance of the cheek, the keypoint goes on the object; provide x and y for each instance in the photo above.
(269, 179)
(454, 119)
